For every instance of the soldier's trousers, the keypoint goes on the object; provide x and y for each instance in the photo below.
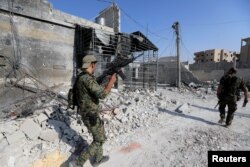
(95, 126)
(232, 107)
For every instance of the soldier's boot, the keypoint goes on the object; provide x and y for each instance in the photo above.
(228, 123)
(230, 118)
(103, 160)
(222, 120)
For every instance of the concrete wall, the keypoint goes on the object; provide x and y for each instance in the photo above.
(208, 75)
(209, 66)
(38, 40)
(167, 74)
(41, 37)
(217, 74)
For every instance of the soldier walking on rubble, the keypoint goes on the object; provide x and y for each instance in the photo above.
(227, 94)
(88, 93)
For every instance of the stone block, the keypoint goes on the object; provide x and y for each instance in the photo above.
(49, 111)
(31, 129)
(49, 135)
(116, 111)
(15, 137)
(3, 144)
(9, 127)
(183, 108)
(42, 117)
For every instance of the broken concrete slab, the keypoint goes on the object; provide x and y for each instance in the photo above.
(48, 111)
(9, 127)
(49, 135)
(3, 144)
(184, 108)
(15, 137)
(42, 117)
(31, 129)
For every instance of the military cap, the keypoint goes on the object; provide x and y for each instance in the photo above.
(87, 60)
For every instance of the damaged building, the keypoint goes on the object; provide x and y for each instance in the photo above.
(41, 50)
(167, 72)
(212, 64)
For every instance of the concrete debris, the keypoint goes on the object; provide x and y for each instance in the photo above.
(11, 161)
(54, 128)
(184, 108)
(42, 117)
(31, 129)
(17, 136)
(48, 135)
(3, 144)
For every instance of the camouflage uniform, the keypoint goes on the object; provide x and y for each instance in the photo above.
(231, 84)
(88, 93)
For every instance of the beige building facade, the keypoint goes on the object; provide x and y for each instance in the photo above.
(214, 55)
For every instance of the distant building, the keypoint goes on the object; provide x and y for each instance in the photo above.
(244, 59)
(110, 17)
(215, 55)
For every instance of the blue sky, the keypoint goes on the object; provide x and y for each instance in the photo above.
(204, 24)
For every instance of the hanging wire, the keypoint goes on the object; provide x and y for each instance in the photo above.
(169, 46)
(15, 64)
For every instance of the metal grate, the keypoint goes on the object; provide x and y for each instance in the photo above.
(108, 46)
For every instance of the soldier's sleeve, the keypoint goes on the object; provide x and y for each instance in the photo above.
(95, 89)
(243, 86)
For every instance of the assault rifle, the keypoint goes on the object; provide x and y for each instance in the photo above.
(245, 103)
(115, 67)
(217, 104)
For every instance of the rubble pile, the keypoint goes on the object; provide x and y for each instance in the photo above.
(24, 140)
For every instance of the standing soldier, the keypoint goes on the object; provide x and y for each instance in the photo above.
(227, 94)
(88, 93)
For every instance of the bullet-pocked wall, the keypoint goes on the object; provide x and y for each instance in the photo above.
(38, 40)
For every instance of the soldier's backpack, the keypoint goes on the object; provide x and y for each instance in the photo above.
(231, 86)
(72, 98)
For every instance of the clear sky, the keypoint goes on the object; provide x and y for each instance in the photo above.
(204, 24)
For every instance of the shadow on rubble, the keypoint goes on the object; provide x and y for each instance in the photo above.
(242, 115)
(205, 108)
(217, 110)
(61, 121)
(186, 116)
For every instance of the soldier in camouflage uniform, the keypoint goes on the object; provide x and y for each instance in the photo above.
(88, 93)
(229, 87)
